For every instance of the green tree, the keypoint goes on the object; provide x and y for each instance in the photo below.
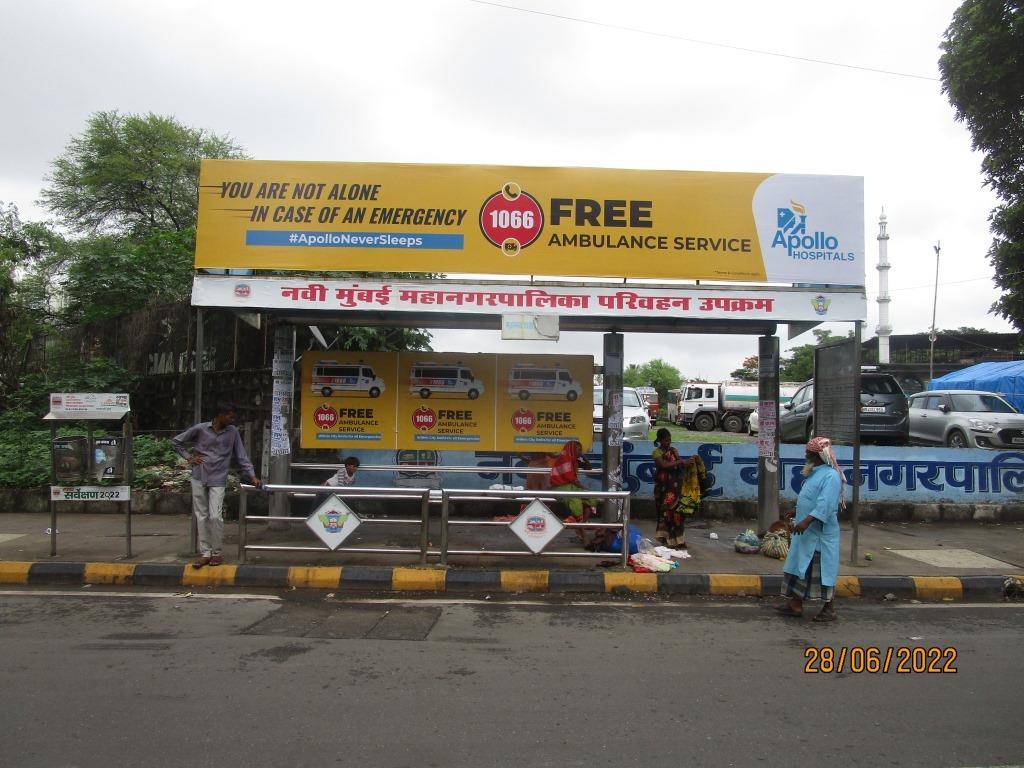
(982, 67)
(798, 363)
(654, 373)
(133, 175)
(31, 255)
(747, 371)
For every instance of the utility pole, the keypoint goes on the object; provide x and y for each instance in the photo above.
(935, 303)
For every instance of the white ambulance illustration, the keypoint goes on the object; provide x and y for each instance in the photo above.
(542, 382)
(445, 380)
(334, 379)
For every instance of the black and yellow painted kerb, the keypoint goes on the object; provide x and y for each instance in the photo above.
(466, 580)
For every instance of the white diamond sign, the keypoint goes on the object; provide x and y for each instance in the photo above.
(333, 521)
(536, 526)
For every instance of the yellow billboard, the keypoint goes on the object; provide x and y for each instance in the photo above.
(543, 401)
(348, 399)
(502, 220)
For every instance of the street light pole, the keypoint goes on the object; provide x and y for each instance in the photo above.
(935, 303)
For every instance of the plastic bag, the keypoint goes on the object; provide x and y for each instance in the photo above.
(635, 539)
(747, 543)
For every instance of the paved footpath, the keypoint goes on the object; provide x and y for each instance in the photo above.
(928, 561)
(94, 679)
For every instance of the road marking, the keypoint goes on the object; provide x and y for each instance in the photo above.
(139, 595)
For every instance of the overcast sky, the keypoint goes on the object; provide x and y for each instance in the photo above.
(456, 81)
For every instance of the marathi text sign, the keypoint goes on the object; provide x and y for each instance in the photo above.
(747, 303)
(531, 221)
(90, 493)
(434, 401)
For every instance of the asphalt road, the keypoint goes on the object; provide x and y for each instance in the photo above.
(163, 680)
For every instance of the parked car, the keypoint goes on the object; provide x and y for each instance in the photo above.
(965, 419)
(883, 411)
(635, 420)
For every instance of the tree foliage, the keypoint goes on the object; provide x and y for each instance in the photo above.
(654, 373)
(747, 371)
(798, 363)
(982, 69)
(132, 175)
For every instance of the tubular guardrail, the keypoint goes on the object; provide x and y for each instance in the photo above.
(349, 492)
(450, 495)
(446, 498)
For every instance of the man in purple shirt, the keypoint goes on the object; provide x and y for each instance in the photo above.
(214, 443)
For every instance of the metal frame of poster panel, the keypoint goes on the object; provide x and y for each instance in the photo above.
(837, 410)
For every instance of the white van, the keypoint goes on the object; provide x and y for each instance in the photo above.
(331, 378)
(442, 379)
(527, 381)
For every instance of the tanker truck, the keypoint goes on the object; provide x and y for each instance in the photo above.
(725, 405)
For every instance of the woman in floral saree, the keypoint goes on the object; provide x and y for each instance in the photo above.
(677, 492)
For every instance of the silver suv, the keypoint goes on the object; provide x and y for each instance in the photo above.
(965, 419)
(635, 421)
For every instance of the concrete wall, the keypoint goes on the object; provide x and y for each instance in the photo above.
(889, 474)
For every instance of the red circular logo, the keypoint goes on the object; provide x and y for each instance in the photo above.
(325, 417)
(523, 420)
(424, 419)
(511, 218)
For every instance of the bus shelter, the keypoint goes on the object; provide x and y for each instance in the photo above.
(760, 251)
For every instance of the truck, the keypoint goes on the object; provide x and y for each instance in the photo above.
(726, 405)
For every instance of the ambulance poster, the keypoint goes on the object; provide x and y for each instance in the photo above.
(544, 400)
(348, 399)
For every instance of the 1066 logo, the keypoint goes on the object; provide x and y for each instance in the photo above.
(511, 218)
(325, 417)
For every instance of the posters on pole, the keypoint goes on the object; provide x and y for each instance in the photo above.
(594, 222)
(768, 422)
(280, 406)
(438, 401)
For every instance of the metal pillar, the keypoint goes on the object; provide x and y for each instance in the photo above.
(281, 466)
(768, 436)
(611, 434)
(855, 489)
(197, 416)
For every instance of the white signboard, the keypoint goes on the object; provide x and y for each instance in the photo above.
(333, 522)
(529, 327)
(90, 492)
(88, 405)
(536, 526)
(688, 301)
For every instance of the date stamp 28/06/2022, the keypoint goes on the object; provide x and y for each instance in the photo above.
(871, 659)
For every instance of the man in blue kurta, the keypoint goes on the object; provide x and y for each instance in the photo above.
(812, 565)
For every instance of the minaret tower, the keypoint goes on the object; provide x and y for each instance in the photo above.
(884, 326)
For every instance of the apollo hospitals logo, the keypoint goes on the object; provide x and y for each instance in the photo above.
(815, 245)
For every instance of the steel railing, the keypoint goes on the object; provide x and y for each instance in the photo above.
(446, 499)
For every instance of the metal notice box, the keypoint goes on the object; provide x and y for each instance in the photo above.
(70, 458)
(108, 457)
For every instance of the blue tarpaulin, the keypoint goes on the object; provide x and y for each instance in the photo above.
(1006, 379)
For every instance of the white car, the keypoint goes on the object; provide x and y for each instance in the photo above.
(636, 423)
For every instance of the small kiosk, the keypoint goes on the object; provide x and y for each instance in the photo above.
(103, 460)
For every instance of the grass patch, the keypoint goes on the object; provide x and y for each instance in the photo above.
(683, 435)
